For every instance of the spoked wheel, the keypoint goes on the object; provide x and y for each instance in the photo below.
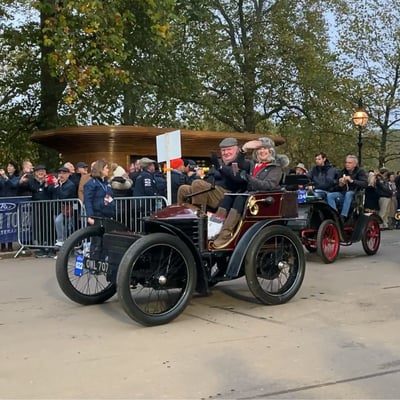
(81, 270)
(156, 279)
(275, 265)
(328, 241)
(371, 238)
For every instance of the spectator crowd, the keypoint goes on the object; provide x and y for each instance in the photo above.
(234, 171)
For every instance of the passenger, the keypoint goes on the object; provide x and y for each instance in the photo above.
(222, 176)
(352, 178)
(265, 174)
(300, 169)
(323, 176)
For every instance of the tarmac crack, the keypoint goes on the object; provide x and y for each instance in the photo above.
(321, 385)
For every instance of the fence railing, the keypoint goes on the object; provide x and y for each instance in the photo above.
(47, 223)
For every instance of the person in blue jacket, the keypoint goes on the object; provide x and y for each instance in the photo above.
(99, 201)
(98, 193)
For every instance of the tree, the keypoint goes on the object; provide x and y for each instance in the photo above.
(369, 54)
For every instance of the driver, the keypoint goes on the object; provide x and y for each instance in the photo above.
(224, 176)
(266, 174)
(352, 178)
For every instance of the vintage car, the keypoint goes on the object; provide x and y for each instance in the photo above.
(322, 230)
(156, 272)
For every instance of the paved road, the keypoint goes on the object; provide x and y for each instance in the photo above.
(338, 338)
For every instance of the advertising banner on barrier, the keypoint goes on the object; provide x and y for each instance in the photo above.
(8, 218)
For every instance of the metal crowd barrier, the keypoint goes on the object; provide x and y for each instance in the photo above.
(36, 220)
(131, 210)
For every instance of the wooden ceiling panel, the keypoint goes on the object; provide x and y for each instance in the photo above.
(118, 143)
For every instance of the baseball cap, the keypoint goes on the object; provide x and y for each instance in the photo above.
(81, 164)
(187, 161)
(228, 142)
(63, 169)
(145, 162)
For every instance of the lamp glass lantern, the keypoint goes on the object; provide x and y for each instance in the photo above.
(360, 119)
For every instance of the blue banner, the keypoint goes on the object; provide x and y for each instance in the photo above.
(8, 218)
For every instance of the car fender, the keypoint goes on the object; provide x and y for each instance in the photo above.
(361, 225)
(239, 254)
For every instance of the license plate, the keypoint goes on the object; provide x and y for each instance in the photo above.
(99, 266)
(86, 264)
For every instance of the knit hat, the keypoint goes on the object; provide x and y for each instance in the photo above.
(119, 171)
(176, 163)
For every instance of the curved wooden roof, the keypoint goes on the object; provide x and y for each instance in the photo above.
(119, 143)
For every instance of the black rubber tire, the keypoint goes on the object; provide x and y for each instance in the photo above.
(156, 279)
(328, 241)
(90, 288)
(371, 238)
(275, 265)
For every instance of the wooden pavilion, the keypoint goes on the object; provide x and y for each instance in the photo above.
(124, 143)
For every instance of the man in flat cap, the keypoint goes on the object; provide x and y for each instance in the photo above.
(224, 174)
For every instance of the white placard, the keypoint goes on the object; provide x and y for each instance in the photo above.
(168, 148)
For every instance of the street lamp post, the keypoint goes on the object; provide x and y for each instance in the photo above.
(360, 119)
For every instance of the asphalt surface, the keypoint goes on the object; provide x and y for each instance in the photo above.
(338, 338)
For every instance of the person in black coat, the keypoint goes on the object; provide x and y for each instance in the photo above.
(178, 177)
(62, 189)
(351, 179)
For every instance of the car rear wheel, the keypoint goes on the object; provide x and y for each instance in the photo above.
(156, 279)
(328, 241)
(371, 238)
(275, 265)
